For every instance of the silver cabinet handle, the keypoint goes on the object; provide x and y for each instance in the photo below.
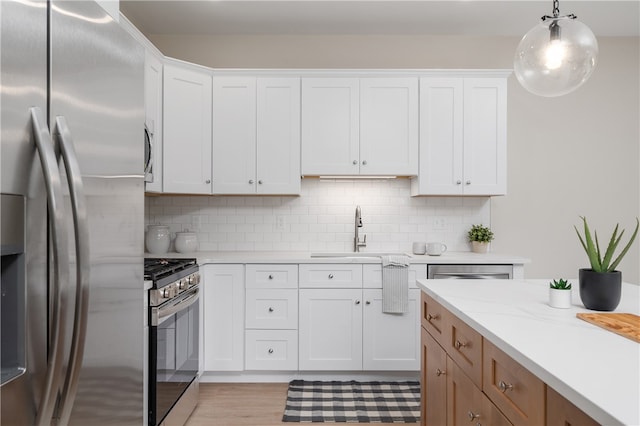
(260, 182)
(207, 181)
(434, 316)
(60, 257)
(504, 386)
(468, 182)
(270, 276)
(355, 162)
(270, 309)
(270, 351)
(83, 267)
(330, 276)
(364, 163)
(250, 181)
(473, 416)
(458, 344)
(458, 182)
(440, 372)
(368, 302)
(357, 302)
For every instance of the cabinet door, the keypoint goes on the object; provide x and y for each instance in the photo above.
(278, 144)
(223, 317)
(389, 126)
(153, 117)
(330, 329)
(434, 382)
(441, 137)
(390, 341)
(561, 412)
(186, 131)
(485, 136)
(234, 135)
(330, 128)
(464, 399)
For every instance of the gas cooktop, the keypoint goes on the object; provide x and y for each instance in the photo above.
(162, 268)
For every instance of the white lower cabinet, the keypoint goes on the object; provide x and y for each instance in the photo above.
(390, 341)
(330, 336)
(223, 324)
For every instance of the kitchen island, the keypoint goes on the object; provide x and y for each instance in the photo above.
(594, 369)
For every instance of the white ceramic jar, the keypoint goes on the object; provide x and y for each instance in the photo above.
(186, 242)
(158, 239)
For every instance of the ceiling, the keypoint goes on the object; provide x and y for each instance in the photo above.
(383, 17)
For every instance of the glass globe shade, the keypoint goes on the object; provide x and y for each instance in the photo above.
(555, 61)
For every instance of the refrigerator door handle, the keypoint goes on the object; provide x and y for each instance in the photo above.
(60, 257)
(81, 228)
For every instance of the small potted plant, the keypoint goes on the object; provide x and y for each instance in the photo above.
(480, 237)
(560, 294)
(601, 285)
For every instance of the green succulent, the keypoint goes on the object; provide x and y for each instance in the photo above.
(560, 284)
(598, 262)
(480, 233)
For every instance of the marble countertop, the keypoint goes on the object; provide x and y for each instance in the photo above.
(205, 257)
(595, 369)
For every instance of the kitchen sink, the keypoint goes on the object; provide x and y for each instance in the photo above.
(358, 254)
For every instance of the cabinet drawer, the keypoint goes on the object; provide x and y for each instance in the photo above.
(561, 412)
(272, 276)
(271, 350)
(514, 390)
(372, 275)
(331, 276)
(464, 345)
(433, 316)
(271, 309)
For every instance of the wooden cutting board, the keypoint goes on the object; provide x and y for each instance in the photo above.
(627, 325)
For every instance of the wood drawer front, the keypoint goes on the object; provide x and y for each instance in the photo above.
(515, 391)
(464, 345)
(433, 319)
(271, 350)
(331, 276)
(434, 381)
(272, 276)
(372, 275)
(561, 412)
(271, 309)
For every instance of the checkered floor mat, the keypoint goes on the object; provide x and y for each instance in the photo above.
(353, 402)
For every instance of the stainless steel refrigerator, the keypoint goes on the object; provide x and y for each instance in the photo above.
(72, 206)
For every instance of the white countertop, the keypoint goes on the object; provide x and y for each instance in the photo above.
(205, 257)
(595, 369)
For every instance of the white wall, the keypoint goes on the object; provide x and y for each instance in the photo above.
(322, 218)
(569, 156)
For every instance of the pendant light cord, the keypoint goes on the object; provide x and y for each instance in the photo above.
(556, 13)
(556, 8)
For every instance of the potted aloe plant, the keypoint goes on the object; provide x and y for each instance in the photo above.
(560, 294)
(480, 237)
(601, 285)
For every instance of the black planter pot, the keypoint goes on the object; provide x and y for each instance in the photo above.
(600, 291)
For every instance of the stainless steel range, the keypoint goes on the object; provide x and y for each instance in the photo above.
(173, 339)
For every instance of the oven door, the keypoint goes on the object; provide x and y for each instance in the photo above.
(173, 352)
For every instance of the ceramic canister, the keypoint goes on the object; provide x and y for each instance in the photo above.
(186, 242)
(158, 239)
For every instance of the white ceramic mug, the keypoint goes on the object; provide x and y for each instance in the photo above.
(419, 248)
(436, 249)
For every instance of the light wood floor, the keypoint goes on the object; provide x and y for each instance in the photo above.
(241, 404)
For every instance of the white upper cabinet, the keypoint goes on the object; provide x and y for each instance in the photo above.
(366, 126)
(187, 130)
(256, 135)
(153, 119)
(330, 126)
(389, 126)
(463, 140)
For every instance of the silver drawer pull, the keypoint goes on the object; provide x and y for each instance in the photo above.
(440, 372)
(270, 277)
(505, 386)
(368, 302)
(473, 416)
(430, 317)
(270, 351)
(270, 309)
(458, 344)
(357, 302)
(330, 276)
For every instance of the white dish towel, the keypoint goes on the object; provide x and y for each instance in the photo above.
(395, 284)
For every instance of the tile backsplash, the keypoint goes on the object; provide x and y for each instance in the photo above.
(322, 217)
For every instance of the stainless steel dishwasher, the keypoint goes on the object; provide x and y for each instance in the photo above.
(476, 272)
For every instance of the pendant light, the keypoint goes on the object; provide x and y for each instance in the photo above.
(556, 56)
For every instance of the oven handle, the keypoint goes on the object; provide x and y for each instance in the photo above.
(159, 314)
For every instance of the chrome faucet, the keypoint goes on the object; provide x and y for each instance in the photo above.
(356, 240)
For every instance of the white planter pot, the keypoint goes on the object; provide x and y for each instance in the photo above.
(559, 298)
(478, 247)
